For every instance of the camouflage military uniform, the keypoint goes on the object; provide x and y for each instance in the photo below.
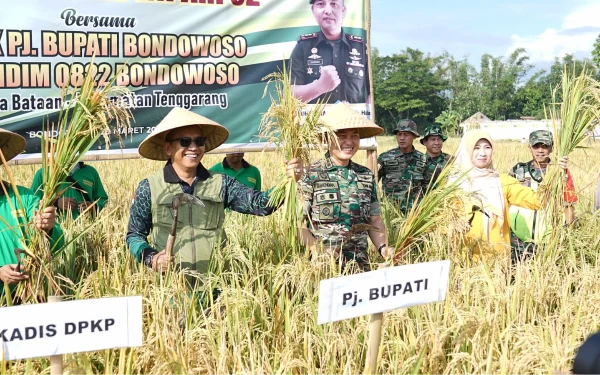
(337, 198)
(402, 176)
(434, 166)
(529, 176)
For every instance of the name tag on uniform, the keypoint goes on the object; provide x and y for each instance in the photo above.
(314, 62)
(364, 185)
(327, 197)
(88, 183)
(322, 185)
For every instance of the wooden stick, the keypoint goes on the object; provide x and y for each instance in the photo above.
(374, 338)
(56, 361)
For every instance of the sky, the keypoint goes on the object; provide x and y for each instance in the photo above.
(470, 28)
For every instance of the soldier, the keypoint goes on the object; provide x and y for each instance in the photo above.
(527, 225)
(433, 139)
(339, 194)
(330, 65)
(402, 169)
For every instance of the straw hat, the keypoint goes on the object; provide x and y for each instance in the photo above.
(152, 146)
(341, 116)
(11, 144)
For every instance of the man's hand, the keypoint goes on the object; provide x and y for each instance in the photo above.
(66, 203)
(329, 79)
(46, 218)
(294, 169)
(388, 252)
(84, 205)
(562, 162)
(9, 274)
(160, 261)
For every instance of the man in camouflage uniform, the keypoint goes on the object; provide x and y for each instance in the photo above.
(340, 195)
(402, 169)
(526, 224)
(433, 139)
(331, 64)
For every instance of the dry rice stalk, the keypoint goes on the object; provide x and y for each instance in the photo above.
(88, 114)
(294, 136)
(578, 113)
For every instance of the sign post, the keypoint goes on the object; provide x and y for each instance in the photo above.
(379, 291)
(56, 361)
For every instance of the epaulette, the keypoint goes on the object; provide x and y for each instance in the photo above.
(308, 36)
(354, 38)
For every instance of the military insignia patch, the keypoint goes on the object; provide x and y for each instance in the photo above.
(326, 212)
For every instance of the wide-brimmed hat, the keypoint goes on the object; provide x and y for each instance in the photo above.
(433, 130)
(152, 146)
(406, 126)
(11, 144)
(341, 116)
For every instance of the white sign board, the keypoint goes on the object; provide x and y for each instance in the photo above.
(47, 329)
(382, 290)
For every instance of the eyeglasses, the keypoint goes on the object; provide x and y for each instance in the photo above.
(187, 141)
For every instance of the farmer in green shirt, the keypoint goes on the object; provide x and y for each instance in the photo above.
(235, 166)
(14, 214)
(83, 189)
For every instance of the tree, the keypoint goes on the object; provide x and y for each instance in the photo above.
(596, 53)
(408, 84)
(449, 120)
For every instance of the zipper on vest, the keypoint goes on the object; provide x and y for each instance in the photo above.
(192, 239)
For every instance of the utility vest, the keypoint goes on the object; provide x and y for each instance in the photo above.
(526, 224)
(199, 229)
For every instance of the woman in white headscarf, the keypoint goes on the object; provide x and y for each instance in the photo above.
(492, 194)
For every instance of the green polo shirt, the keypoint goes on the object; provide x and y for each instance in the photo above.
(248, 175)
(88, 179)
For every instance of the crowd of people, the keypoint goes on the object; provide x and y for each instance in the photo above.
(338, 193)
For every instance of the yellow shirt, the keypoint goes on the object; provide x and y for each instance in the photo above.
(498, 243)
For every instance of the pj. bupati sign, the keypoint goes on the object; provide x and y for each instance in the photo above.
(382, 290)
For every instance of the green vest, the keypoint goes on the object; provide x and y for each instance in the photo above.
(199, 229)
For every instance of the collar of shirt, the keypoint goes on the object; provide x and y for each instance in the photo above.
(322, 38)
(330, 165)
(171, 176)
(245, 164)
(407, 153)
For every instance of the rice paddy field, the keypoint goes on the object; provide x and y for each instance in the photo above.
(495, 319)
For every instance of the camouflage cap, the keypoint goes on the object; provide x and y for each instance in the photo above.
(541, 136)
(433, 130)
(406, 126)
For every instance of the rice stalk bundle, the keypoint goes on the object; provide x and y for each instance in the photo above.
(578, 112)
(89, 112)
(294, 135)
(440, 209)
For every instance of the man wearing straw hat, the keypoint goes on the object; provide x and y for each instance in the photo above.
(402, 169)
(182, 138)
(526, 225)
(433, 140)
(235, 166)
(340, 194)
(331, 64)
(18, 205)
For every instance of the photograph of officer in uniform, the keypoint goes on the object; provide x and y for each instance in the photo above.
(331, 64)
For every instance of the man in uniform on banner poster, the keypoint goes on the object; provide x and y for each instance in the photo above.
(331, 64)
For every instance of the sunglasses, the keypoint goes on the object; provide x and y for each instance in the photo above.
(187, 141)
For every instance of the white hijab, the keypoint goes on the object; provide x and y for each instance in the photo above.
(483, 182)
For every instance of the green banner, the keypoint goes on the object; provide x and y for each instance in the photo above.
(208, 56)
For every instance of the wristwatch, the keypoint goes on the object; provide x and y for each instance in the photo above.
(147, 255)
